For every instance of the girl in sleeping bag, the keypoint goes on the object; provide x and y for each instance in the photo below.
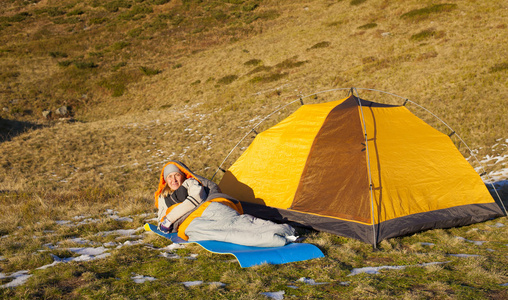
(194, 207)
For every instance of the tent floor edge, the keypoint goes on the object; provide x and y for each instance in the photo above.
(402, 226)
(439, 219)
(343, 228)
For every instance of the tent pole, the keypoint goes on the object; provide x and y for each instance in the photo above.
(374, 238)
(265, 118)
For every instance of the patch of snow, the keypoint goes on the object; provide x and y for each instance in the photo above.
(142, 278)
(20, 278)
(63, 222)
(85, 254)
(88, 250)
(78, 240)
(427, 244)
(192, 256)
(169, 255)
(110, 212)
(54, 263)
(477, 243)
(375, 270)
(110, 244)
(174, 246)
(123, 232)
(130, 243)
(88, 221)
(274, 295)
(464, 255)
(130, 237)
(192, 283)
(50, 246)
(310, 281)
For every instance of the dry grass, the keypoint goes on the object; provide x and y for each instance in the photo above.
(196, 105)
(160, 80)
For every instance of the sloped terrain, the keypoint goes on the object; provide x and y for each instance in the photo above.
(145, 81)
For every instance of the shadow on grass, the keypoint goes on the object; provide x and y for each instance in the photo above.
(500, 193)
(12, 128)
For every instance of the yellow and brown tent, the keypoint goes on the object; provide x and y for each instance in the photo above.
(358, 169)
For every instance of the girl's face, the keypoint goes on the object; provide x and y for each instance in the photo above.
(175, 180)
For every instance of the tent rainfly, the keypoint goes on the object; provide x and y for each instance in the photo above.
(358, 169)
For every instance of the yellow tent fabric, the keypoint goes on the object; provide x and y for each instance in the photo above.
(313, 168)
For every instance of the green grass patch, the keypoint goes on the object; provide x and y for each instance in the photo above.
(120, 45)
(249, 6)
(265, 16)
(499, 67)
(165, 106)
(136, 12)
(357, 2)
(51, 11)
(227, 79)
(156, 25)
(19, 17)
(117, 83)
(423, 13)
(9, 75)
(115, 5)
(260, 69)
(368, 26)
(97, 21)
(426, 34)
(62, 20)
(269, 78)
(320, 45)
(119, 65)
(76, 12)
(85, 64)
(136, 32)
(65, 63)
(159, 2)
(253, 62)
(290, 63)
(150, 71)
(335, 24)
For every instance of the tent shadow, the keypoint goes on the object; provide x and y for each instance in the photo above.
(500, 193)
(255, 206)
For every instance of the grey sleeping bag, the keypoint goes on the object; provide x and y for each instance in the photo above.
(222, 223)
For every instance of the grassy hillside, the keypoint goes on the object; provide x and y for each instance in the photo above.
(146, 81)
